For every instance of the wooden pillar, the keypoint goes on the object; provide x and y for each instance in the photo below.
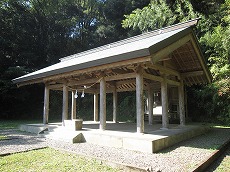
(73, 109)
(95, 107)
(65, 104)
(115, 105)
(140, 101)
(102, 104)
(186, 102)
(164, 100)
(150, 105)
(181, 103)
(46, 105)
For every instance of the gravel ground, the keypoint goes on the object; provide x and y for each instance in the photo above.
(181, 157)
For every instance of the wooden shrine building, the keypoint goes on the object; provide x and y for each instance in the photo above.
(161, 59)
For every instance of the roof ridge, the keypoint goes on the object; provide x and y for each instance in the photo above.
(145, 35)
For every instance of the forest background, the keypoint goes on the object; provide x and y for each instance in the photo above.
(36, 33)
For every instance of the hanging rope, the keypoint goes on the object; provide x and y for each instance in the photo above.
(85, 87)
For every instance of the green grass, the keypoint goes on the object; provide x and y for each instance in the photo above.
(215, 125)
(50, 160)
(3, 137)
(224, 165)
(13, 124)
(220, 126)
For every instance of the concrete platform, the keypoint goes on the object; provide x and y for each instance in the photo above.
(119, 135)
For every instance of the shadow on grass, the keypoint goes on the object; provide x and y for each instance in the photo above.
(12, 136)
(223, 162)
(14, 124)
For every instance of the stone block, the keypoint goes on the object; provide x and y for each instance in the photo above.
(75, 124)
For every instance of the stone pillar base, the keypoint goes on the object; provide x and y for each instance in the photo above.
(75, 124)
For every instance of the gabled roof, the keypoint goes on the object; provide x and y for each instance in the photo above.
(142, 45)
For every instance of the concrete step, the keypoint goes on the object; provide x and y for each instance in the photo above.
(33, 128)
(62, 134)
(100, 138)
(151, 142)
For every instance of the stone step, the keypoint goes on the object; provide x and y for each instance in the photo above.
(33, 128)
(63, 134)
(152, 142)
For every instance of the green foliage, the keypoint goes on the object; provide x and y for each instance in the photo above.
(158, 14)
(216, 42)
(127, 107)
(209, 105)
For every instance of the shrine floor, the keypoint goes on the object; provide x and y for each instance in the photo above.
(119, 135)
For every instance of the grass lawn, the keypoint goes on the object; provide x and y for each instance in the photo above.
(14, 124)
(3, 137)
(224, 165)
(50, 160)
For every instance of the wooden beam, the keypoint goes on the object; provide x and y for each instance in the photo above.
(169, 49)
(94, 69)
(97, 80)
(163, 69)
(83, 82)
(118, 83)
(55, 86)
(171, 82)
(193, 73)
(152, 77)
(120, 76)
(91, 91)
(201, 59)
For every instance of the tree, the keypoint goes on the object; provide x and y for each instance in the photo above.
(217, 43)
(112, 12)
(159, 14)
(37, 33)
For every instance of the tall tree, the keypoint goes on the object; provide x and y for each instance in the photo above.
(158, 14)
(112, 12)
(36, 33)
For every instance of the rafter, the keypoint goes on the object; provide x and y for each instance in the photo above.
(169, 49)
(193, 73)
(163, 69)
